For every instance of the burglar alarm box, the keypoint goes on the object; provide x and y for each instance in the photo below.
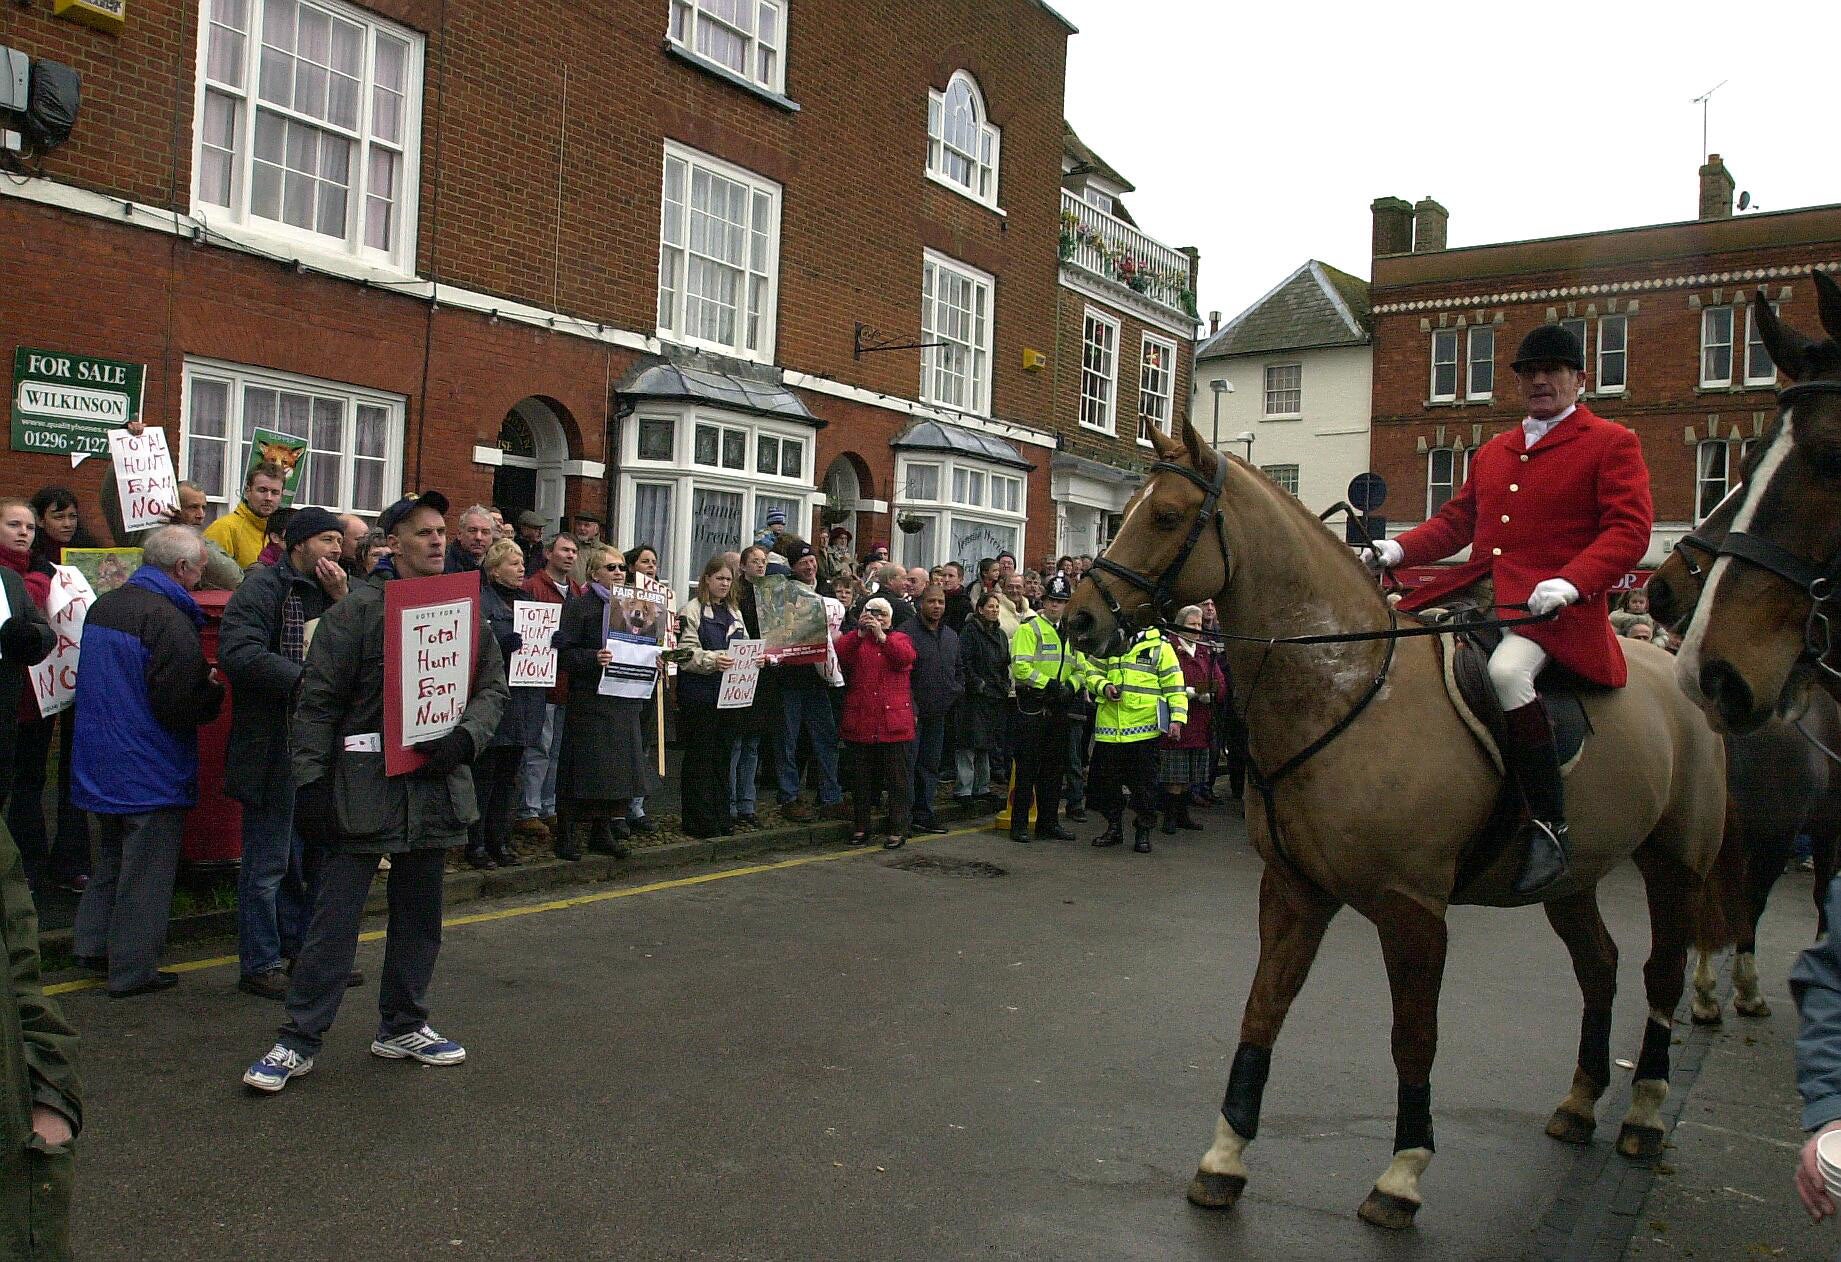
(104, 15)
(15, 78)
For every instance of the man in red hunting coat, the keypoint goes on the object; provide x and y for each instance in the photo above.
(1555, 510)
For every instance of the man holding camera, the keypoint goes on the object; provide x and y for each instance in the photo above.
(1047, 671)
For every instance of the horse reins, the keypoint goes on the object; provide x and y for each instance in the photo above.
(1160, 593)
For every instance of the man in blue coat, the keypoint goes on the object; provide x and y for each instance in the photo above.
(143, 691)
(1815, 982)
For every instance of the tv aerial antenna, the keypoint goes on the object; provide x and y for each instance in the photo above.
(1705, 101)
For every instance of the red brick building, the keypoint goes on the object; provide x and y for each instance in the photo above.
(1124, 348)
(1662, 312)
(638, 260)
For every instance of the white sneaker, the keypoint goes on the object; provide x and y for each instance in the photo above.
(273, 1071)
(423, 1045)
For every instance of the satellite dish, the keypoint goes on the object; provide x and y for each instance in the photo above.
(1745, 201)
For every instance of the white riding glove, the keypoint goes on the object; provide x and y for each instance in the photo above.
(1551, 594)
(1384, 555)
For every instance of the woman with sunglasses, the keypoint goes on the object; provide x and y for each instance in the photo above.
(604, 765)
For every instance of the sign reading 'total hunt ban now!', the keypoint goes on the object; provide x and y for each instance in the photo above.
(144, 478)
(67, 404)
(430, 625)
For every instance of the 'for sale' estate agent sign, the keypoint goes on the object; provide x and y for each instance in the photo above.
(67, 404)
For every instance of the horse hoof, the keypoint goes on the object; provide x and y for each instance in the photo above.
(1639, 1141)
(1570, 1128)
(1709, 1015)
(1384, 1209)
(1757, 1008)
(1216, 1191)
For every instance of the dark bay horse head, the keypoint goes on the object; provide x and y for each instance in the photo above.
(1675, 588)
(1169, 552)
(1769, 599)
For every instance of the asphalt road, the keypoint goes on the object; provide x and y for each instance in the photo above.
(841, 1058)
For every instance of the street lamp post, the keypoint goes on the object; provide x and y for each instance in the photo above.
(1220, 386)
(1247, 436)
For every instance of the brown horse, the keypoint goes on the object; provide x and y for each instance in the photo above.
(1770, 599)
(1364, 822)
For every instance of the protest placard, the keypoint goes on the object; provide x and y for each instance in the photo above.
(633, 672)
(144, 477)
(104, 569)
(534, 665)
(741, 679)
(792, 620)
(429, 629)
(637, 615)
(268, 446)
(54, 680)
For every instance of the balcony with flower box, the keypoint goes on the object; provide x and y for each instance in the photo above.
(1105, 246)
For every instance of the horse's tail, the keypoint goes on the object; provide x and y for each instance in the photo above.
(1725, 897)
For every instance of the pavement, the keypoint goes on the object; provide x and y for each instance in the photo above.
(965, 1049)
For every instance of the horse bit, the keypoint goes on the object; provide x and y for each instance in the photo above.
(1817, 582)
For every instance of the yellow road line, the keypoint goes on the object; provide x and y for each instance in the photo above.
(560, 904)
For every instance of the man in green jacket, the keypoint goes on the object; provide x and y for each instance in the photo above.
(1141, 696)
(44, 1107)
(345, 802)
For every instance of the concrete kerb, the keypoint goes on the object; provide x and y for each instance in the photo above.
(468, 886)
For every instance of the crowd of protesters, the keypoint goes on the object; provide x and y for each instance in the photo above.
(934, 683)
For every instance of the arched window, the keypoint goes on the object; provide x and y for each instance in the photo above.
(1713, 477)
(1446, 469)
(962, 145)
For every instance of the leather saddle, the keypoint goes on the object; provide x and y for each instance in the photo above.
(1467, 651)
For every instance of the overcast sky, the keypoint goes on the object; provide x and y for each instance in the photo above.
(1259, 133)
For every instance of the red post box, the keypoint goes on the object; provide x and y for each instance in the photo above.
(214, 828)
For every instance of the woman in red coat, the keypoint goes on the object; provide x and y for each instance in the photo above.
(1555, 510)
(1182, 758)
(878, 718)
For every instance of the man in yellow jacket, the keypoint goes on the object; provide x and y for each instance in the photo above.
(1048, 672)
(1141, 696)
(243, 531)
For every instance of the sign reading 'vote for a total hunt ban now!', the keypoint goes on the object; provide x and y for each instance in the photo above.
(430, 626)
(67, 404)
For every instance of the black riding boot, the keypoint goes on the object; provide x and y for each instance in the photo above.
(1115, 829)
(605, 838)
(1172, 812)
(1534, 763)
(568, 842)
(1183, 818)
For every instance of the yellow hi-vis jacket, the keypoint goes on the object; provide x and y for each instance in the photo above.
(1039, 656)
(1152, 694)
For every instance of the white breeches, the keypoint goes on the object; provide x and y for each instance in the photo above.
(1512, 668)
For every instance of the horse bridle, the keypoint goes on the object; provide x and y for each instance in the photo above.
(1817, 581)
(1160, 588)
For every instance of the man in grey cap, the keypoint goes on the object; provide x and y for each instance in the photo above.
(261, 647)
(530, 528)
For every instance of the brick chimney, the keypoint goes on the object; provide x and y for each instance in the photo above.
(1429, 221)
(1393, 225)
(1716, 185)
(1214, 323)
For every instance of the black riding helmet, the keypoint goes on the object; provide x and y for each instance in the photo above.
(1550, 344)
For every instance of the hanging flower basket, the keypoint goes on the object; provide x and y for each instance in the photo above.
(834, 514)
(910, 524)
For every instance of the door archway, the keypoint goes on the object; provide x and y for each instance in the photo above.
(843, 489)
(532, 448)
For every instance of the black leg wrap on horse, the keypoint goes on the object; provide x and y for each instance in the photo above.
(1246, 1087)
(1413, 1120)
(1653, 1062)
(1595, 1046)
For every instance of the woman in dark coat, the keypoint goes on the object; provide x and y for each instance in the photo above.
(983, 714)
(495, 771)
(604, 764)
(711, 622)
(755, 725)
